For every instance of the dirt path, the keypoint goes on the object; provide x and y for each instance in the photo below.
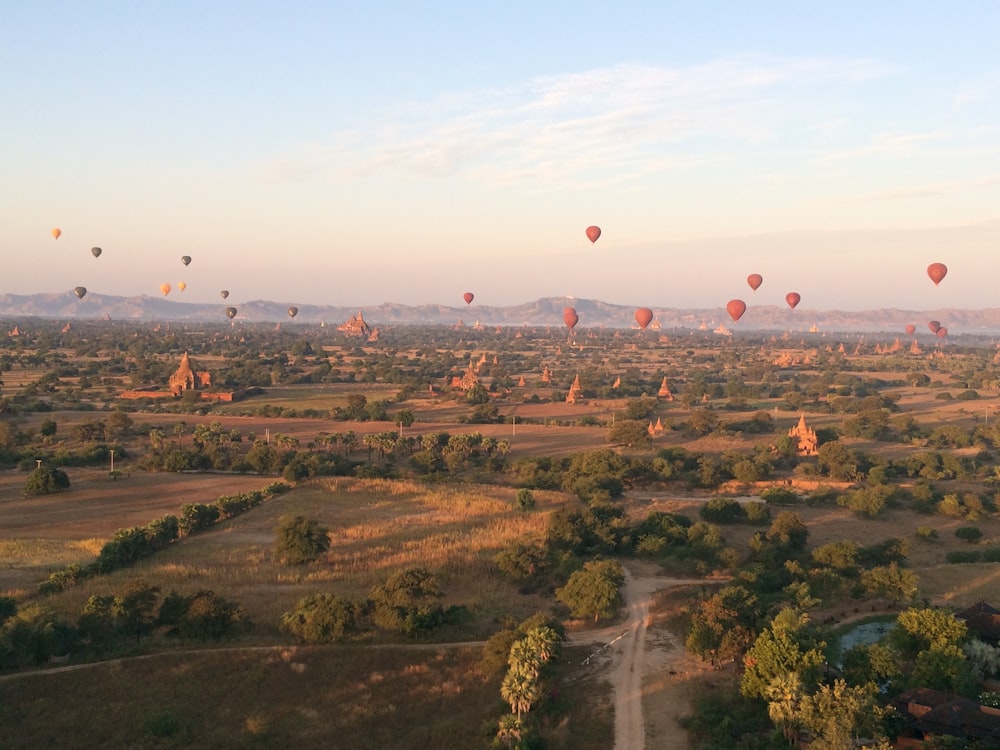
(636, 674)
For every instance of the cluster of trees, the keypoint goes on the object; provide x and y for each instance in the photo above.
(408, 603)
(34, 635)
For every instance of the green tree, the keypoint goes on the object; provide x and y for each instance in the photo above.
(45, 480)
(321, 618)
(300, 540)
(408, 602)
(594, 591)
(630, 433)
(208, 616)
(133, 608)
(921, 628)
(782, 648)
(890, 581)
(838, 716)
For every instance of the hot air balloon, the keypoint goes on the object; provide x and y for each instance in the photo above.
(911, 329)
(224, 293)
(231, 312)
(593, 234)
(468, 297)
(186, 259)
(643, 316)
(181, 286)
(293, 311)
(165, 288)
(937, 271)
(96, 252)
(934, 325)
(570, 318)
(942, 332)
(80, 292)
(736, 308)
(56, 231)
(793, 298)
(755, 280)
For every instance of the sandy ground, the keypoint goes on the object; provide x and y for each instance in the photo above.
(649, 669)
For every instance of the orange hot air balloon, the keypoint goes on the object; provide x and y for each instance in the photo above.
(643, 316)
(793, 299)
(911, 329)
(736, 308)
(165, 288)
(755, 280)
(181, 286)
(468, 297)
(570, 318)
(230, 312)
(593, 234)
(934, 325)
(937, 271)
(56, 231)
(942, 332)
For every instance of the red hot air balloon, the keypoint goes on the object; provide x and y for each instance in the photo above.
(468, 297)
(570, 318)
(643, 316)
(593, 233)
(934, 325)
(941, 332)
(755, 280)
(736, 308)
(793, 299)
(911, 329)
(937, 271)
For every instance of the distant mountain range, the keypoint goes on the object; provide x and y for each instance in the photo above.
(542, 312)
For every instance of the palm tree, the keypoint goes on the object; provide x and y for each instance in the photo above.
(509, 731)
(521, 690)
(783, 696)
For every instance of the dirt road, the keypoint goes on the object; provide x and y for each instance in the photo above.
(634, 662)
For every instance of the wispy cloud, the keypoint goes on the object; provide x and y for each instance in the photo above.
(925, 190)
(629, 120)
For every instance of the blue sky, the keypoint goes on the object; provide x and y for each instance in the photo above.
(356, 153)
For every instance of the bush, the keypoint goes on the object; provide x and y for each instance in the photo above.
(780, 496)
(321, 618)
(722, 510)
(300, 540)
(45, 480)
(525, 499)
(971, 534)
(926, 532)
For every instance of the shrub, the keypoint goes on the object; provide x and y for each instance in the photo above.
(45, 480)
(525, 499)
(300, 540)
(926, 532)
(321, 618)
(971, 534)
